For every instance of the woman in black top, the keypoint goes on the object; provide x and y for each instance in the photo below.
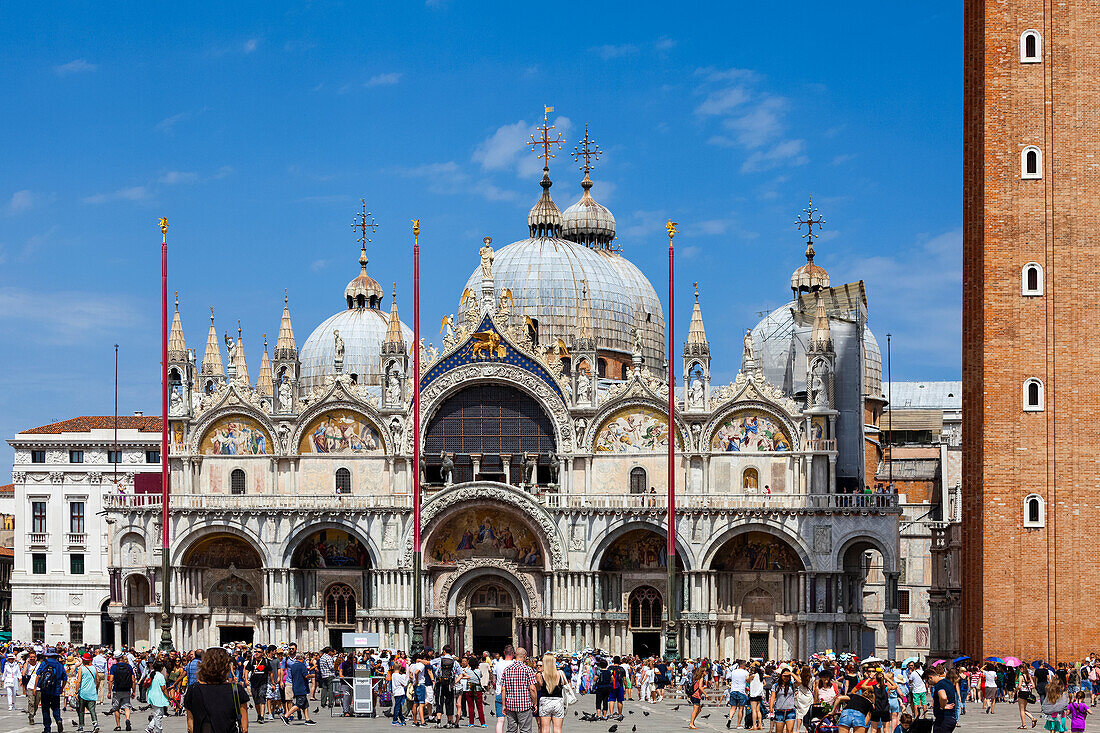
(602, 688)
(216, 705)
(881, 686)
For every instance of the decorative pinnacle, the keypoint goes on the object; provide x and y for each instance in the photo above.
(395, 292)
(238, 330)
(211, 315)
(177, 301)
(163, 226)
(587, 149)
(672, 230)
(265, 342)
(416, 227)
(544, 140)
(696, 286)
(810, 222)
(286, 297)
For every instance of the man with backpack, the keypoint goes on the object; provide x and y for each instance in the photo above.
(123, 684)
(49, 682)
(445, 669)
(326, 669)
(618, 688)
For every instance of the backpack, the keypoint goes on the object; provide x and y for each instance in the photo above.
(446, 671)
(47, 678)
(616, 678)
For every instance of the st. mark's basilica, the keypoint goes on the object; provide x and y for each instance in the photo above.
(545, 429)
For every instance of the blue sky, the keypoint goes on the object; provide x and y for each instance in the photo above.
(256, 127)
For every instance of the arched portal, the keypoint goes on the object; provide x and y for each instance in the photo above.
(757, 579)
(491, 607)
(645, 614)
(497, 422)
(222, 551)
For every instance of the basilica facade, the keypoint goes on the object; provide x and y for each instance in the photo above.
(544, 431)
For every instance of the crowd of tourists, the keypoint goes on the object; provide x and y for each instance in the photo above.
(224, 689)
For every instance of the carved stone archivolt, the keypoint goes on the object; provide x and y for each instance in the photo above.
(728, 408)
(463, 494)
(503, 567)
(469, 374)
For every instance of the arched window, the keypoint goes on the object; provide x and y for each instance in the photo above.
(340, 605)
(601, 367)
(1035, 512)
(1033, 396)
(750, 480)
(236, 481)
(645, 608)
(208, 388)
(233, 593)
(1032, 279)
(1031, 47)
(343, 481)
(566, 365)
(638, 483)
(1031, 162)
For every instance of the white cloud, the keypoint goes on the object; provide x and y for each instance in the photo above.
(611, 51)
(507, 148)
(449, 178)
(664, 43)
(642, 223)
(383, 80)
(76, 66)
(168, 124)
(132, 193)
(843, 158)
(173, 177)
(251, 45)
(722, 100)
(21, 201)
(66, 317)
(318, 265)
(760, 124)
(788, 152)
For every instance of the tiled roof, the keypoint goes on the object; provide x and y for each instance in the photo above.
(144, 423)
(7, 489)
(7, 552)
(925, 395)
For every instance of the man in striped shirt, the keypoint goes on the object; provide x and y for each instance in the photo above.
(520, 694)
(327, 669)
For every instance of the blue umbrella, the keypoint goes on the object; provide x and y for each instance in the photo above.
(956, 660)
(1037, 664)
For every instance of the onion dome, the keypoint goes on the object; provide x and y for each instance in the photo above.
(545, 218)
(587, 221)
(809, 278)
(363, 290)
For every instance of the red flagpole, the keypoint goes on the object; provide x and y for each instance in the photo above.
(165, 630)
(673, 604)
(418, 605)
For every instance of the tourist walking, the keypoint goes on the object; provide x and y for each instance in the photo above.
(945, 698)
(157, 698)
(551, 700)
(696, 691)
(990, 689)
(399, 682)
(9, 679)
(520, 694)
(87, 694)
(1055, 703)
(298, 677)
(1025, 694)
(215, 703)
(782, 701)
(49, 682)
(499, 666)
(120, 677)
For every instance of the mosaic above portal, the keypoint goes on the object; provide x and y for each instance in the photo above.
(235, 436)
(340, 431)
(750, 431)
(633, 430)
(485, 533)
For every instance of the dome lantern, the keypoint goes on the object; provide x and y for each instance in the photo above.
(810, 278)
(587, 221)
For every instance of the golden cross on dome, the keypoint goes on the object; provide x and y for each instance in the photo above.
(810, 222)
(363, 225)
(587, 149)
(544, 138)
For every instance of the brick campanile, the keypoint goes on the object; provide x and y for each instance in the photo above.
(1031, 311)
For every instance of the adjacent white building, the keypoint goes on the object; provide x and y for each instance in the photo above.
(60, 582)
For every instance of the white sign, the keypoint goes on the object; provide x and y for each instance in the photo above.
(360, 641)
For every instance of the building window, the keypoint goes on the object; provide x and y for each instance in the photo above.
(1035, 512)
(645, 608)
(1031, 47)
(114, 456)
(1033, 396)
(638, 481)
(340, 605)
(236, 481)
(750, 480)
(1033, 279)
(343, 481)
(76, 456)
(76, 632)
(38, 516)
(76, 564)
(1031, 162)
(152, 456)
(903, 602)
(76, 517)
(38, 564)
(38, 630)
(38, 456)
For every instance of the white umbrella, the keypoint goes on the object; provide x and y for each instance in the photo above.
(871, 660)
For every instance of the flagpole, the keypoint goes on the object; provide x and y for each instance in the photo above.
(671, 630)
(165, 618)
(417, 642)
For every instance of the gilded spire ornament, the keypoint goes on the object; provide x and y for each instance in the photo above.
(810, 222)
(544, 140)
(589, 151)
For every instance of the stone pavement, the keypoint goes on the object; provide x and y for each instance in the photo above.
(662, 717)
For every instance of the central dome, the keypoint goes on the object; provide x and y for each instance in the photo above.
(547, 277)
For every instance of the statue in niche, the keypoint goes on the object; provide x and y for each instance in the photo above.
(555, 468)
(820, 391)
(447, 468)
(584, 387)
(393, 387)
(285, 400)
(695, 395)
(530, 468)
(175, 403)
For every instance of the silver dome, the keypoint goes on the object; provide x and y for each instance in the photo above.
(781, 345)
(545, 274)
(363, 331)
(587, 221)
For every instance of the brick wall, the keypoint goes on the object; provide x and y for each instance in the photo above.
(1022, 589)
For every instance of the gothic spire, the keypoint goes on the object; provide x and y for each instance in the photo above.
(584, 316)
(821, 339)
(697, 336)
(285, 348)
(265, 385)
(394, 337)
(238, 358)
(177, 347)
(212, 359)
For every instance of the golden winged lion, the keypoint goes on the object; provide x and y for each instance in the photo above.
(487, 344)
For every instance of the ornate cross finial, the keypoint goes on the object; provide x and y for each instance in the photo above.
(286, 297)
(238, 330)
(395, 291)
(587, 149)
(810, 222)
(265, 343)
(177, 300)
(363, 225)
(544, 140)
(211, 315)
(696, 286)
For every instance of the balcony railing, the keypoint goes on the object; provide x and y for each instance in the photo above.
(38, 539)
(76, 539)
(820, 444)
(550, 500)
